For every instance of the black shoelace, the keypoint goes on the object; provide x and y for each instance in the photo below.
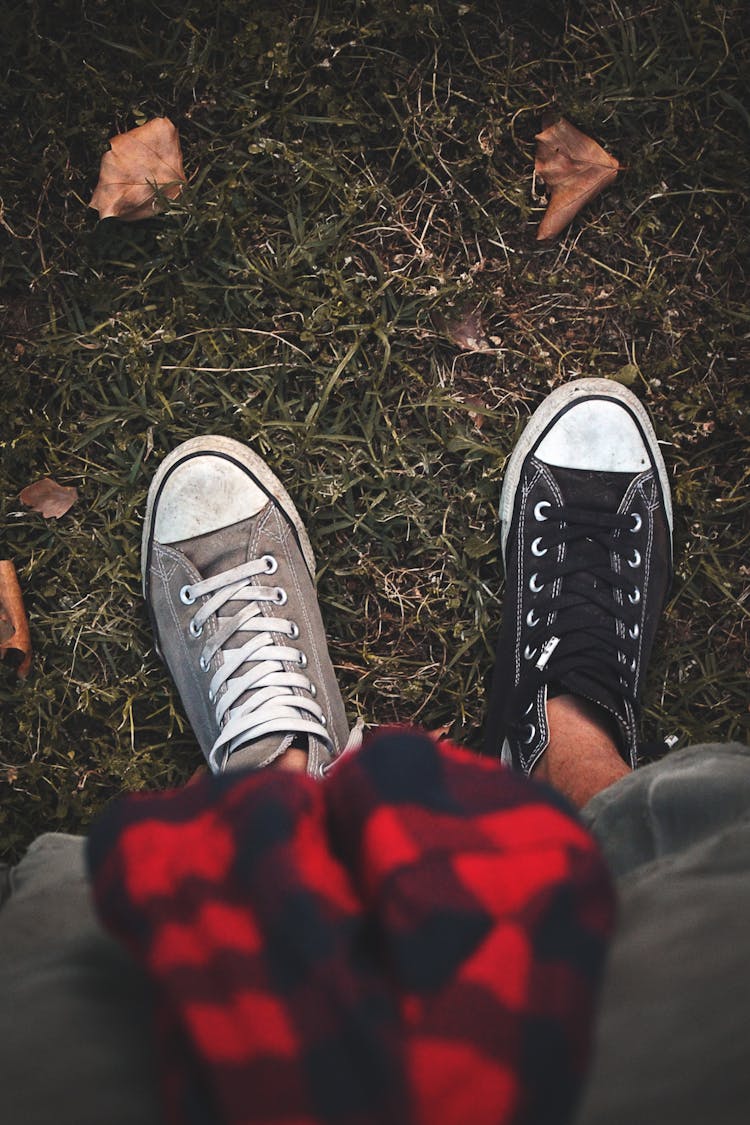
(583, 612)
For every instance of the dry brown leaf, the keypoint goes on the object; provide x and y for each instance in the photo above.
(49, 497)
(574, 168)
(15, 639)
(139, 162)
(468, 332)
(479, 404)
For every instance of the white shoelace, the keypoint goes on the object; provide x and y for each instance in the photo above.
(273, 705)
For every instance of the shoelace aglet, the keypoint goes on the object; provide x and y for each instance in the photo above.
(547, 649)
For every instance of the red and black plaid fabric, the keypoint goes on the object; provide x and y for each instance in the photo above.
(417, 938)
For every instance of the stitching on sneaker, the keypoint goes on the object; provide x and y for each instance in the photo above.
(316, 656)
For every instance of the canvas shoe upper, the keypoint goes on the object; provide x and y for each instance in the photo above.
(229, 579)
(586, 525)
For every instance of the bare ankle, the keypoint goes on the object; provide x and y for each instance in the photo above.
(294, 760)
(582, 757)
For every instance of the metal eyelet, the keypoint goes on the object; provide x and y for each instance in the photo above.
(635, 597)
(193, 629)
(537, 550)
(312, 689)
(530, 708)
(529, 653)
(531, 619)
(538, 510)
(203, 663)
(636, 559)
(270, 564)
(323, 721)
(280, 596)
(302, 660)
(536, 589)
(633, 665)
(187, 597)
(637, 522)
(634, 632)
(211, 696)
(531, 734)
(293, 630)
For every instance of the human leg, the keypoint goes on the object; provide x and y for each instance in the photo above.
(672, 1033)
(670, 806)
(416, 937)
(76, 1037)
(582, 757)
(672, 1036)
(536, 913)
(432, 971)
(491, 913)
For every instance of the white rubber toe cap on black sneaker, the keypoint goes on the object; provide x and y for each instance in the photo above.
(596, 434)
(589, 424)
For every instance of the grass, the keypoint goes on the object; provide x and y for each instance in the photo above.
(361, 174)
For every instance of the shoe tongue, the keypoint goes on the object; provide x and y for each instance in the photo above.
(212, 554)
(594, 491)
(215, 552)
(591, 491)
(260, 752)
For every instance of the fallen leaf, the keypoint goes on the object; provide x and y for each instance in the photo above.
(48, 497)
(139, 163)
(479, 404)
(15, 639)
(574, 168)
(468, 332)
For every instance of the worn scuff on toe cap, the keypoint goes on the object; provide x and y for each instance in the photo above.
(595, 434)
(183, 512)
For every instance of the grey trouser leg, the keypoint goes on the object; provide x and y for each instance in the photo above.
(672, 1043)
(75, 1026)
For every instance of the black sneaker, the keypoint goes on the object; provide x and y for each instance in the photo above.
(586, 539)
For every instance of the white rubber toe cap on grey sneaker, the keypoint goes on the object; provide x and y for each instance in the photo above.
(183, 511)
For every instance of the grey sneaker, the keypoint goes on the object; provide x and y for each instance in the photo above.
(229, 579)
(586, 538)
